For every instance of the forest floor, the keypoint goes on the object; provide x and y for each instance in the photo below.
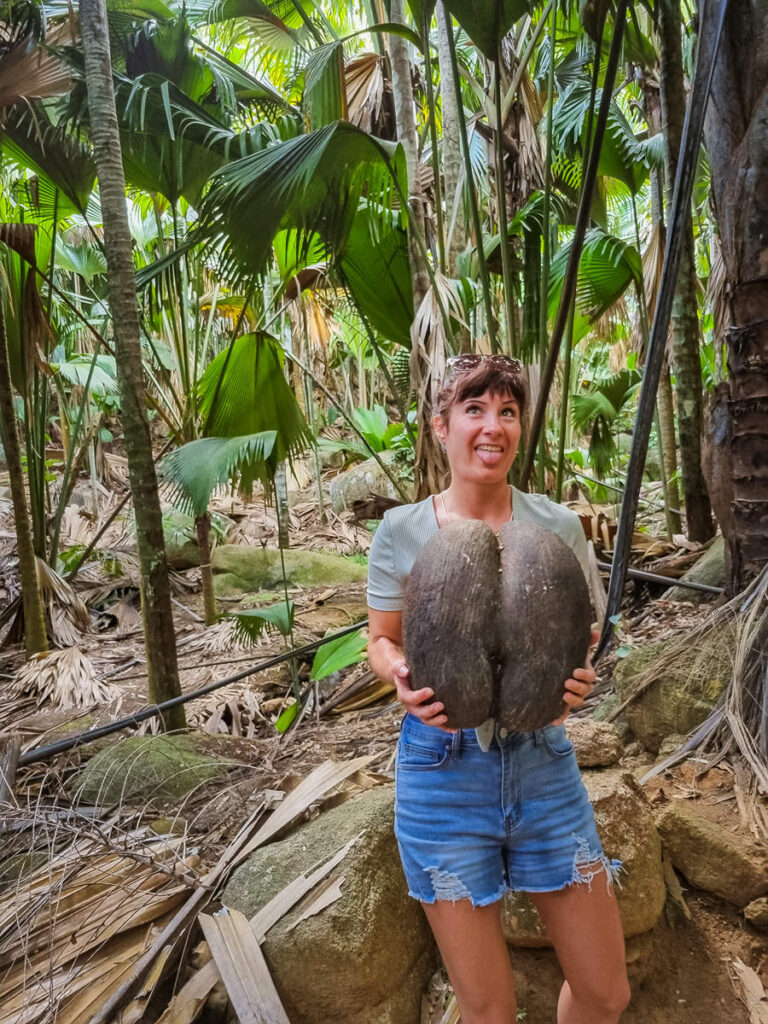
(682, 972)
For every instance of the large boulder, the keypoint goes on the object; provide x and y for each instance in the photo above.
(596, 744)
(240, 568)
(627, 831)
(685, 690)
(142, 768)
(366, 478)
(711, 857)
(367, 957)
(709, 569)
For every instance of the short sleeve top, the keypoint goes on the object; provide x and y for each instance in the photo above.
(405, 530)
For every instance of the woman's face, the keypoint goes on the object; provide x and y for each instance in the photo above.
(481, 436)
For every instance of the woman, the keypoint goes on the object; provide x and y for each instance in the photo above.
(481, 811)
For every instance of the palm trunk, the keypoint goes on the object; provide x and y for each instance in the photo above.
(35, 639)
(684, 324)
(737, 146)
(155, 589)
(452, 166)
(203, 528)
(666, 410)
(429, 468)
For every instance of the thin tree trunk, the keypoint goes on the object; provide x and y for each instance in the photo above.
(737, 146)
(35, 639)
(684, 324)
(155, 589)
(429, 468)
(203, 528)
(281, 499)
(452, 164)
(666, 409)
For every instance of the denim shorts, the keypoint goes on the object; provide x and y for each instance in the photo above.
(471, 824)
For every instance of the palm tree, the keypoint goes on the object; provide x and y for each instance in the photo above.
(737, 147)
(155, 589)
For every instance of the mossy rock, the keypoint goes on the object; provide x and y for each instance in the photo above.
(147, 767)
(685, 690)
(710, 569)
(367, 957)
(240, 568)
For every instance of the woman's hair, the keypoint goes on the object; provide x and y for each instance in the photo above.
(488, 376)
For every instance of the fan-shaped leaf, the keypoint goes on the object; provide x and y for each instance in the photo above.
(250, 624)
(339, 654)
(244, 391)
(193, 472)
(486, 24)
(311, 184)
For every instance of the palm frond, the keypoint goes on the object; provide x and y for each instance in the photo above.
(487, 24)
(250, 624)
(311, 185)
(244, 391)
(325, 94)
(195, 471)
(608, 266)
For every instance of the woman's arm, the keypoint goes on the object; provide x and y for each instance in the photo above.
(387, 659)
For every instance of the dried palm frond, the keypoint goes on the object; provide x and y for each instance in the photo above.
(364, 82)
(738, 723)
(68, 616)
(717, 294)
(65, 678)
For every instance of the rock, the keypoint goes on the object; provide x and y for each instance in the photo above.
(240, 568)
(366, 478)
(145, 767)
(709, 569)
(684, 691)
(712, 858)
(756, 912)
(671, 743)
(627, 831)
(597, 744)
(605, 709)
(180, 535)
(366, 958)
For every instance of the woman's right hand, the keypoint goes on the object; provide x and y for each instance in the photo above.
(418, 702)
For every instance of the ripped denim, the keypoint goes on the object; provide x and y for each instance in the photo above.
(471, 824)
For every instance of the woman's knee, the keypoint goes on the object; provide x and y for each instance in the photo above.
(608, 997)
(482, 1008)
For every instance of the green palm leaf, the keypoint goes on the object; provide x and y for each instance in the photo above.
(244, 391)
(339, 654)
(311, 185)
(250, 624)
(193, 472)
(486, 24)
(608, 266)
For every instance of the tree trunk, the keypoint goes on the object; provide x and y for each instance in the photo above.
(452, 163)
(684, 324)
(155, 589)
(35, 639)
(666, 409)
(429, 467)
(203, 528)
(736, 134)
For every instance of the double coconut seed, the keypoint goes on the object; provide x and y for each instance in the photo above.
(495, 624)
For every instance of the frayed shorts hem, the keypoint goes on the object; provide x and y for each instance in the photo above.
(611, 868)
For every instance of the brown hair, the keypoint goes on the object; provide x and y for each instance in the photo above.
(489, 376)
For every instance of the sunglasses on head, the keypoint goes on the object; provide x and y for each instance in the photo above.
(471, 360)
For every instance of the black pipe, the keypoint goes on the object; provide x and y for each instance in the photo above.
(44, 753)
(666, 581)
(709, 43)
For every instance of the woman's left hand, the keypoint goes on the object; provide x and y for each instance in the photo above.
(579, 686)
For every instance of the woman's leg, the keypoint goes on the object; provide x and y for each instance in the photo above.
(584, 925)
(476, 958)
